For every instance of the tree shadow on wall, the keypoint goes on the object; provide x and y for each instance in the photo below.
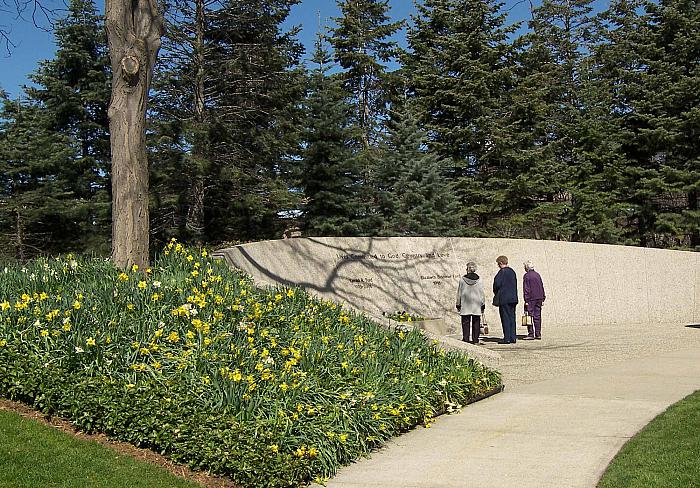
(379, 274)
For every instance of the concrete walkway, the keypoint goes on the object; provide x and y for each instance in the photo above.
(571, 401)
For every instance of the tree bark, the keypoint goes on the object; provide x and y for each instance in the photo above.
(19, 237)
(134, 29)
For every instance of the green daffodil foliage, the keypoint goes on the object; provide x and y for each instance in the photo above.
(271, 387)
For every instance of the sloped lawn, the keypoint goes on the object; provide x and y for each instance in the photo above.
(665, 454)
(272, 387)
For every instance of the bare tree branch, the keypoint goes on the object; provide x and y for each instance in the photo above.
(42, 14)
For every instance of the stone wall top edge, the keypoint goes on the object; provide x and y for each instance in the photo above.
(464, 239)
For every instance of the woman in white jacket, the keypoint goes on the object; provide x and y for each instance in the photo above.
(470, 303)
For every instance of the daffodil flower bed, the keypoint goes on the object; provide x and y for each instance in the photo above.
(271, 387)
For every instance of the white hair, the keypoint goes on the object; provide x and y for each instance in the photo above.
(528, 265)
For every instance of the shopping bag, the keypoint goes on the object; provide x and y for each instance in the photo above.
(484, 327)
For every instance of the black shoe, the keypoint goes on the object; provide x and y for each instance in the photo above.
(538, 338)
(504, 342)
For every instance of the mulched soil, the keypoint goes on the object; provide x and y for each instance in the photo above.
(203, 479)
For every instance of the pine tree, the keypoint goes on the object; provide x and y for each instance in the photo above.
(363, 47)
(234, 84)
(37, 213)
(68, 106)
(458, 68)
(258, 112)
(668, 123)
(460, 72)
(601, 207)
(648, 61)
(415, 197)
(181, 168)
(547, 108)
(328, 179)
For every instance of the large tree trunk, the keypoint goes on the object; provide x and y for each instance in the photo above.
(134, 29)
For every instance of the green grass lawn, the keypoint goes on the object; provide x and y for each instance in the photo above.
(35, 455)
(665, 454)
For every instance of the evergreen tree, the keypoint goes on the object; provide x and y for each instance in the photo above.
(37, 213)
(328, 178)
(256, 132)
(181, 169)
(459, 70)
(601, 207)
(666, 126)
(648, 62)
(362, 46)
(546, 118)
(67, 107)
(415, 197)
(229, 97)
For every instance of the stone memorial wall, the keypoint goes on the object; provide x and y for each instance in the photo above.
(585, 283)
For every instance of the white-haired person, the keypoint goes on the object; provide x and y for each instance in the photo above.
(533, 291)
(470, 303)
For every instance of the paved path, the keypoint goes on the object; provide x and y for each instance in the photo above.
(571, 401)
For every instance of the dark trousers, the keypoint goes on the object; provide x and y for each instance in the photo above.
(472, 322)
(507, 313)
(535, 309)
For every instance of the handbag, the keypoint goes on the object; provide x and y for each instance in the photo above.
(526, 320)
(484, 327)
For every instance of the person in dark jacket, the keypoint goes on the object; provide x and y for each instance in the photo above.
(533, 292)
(505, 295)
(470, 303)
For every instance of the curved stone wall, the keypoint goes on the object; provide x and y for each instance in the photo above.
(585, 283)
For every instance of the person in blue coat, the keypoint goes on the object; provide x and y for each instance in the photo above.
(505, 295)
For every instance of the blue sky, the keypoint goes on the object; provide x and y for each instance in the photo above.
(34, 45)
